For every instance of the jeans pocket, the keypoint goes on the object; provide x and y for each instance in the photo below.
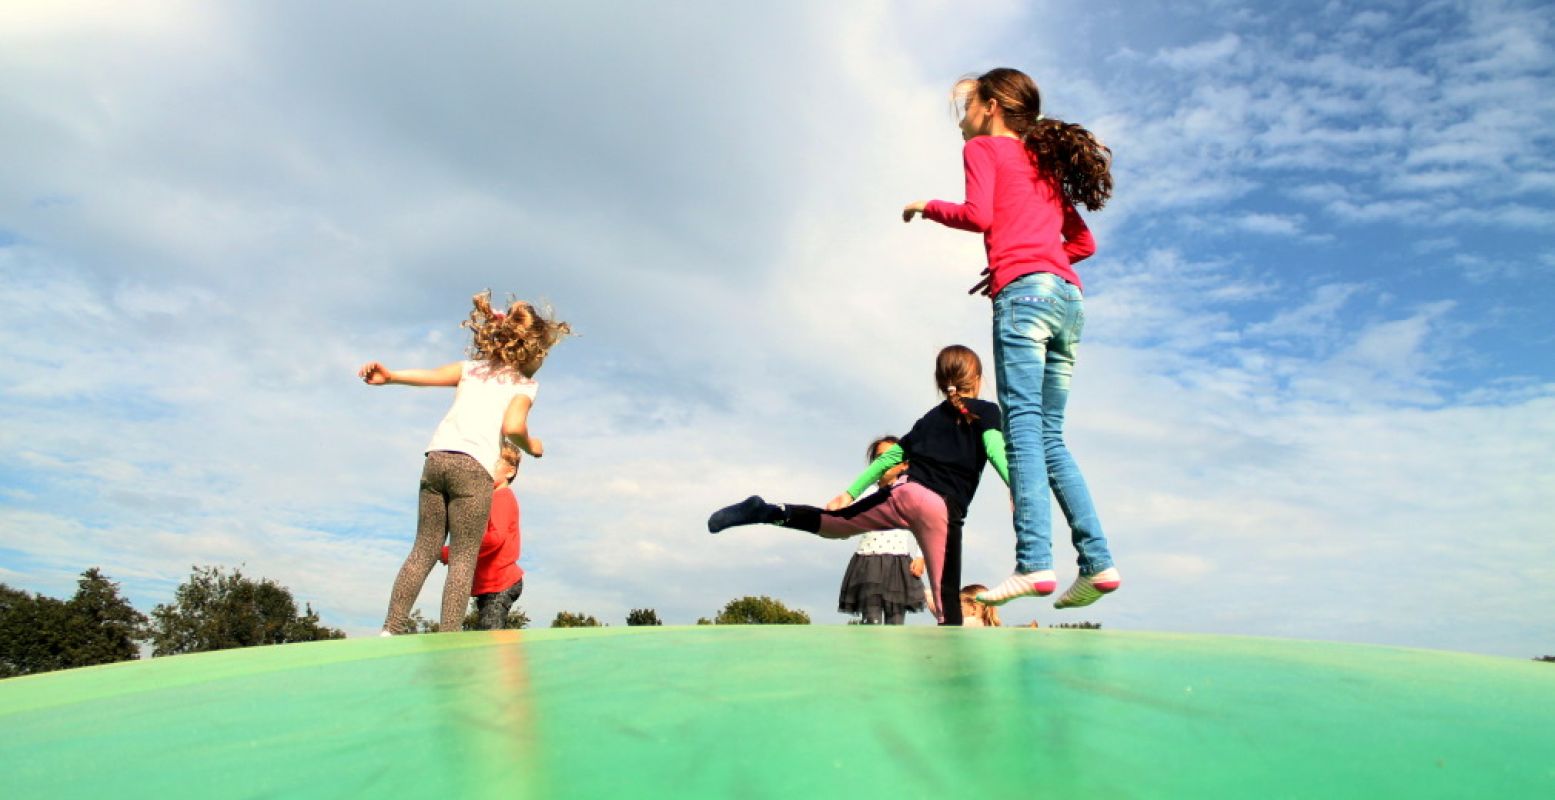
(1037, 317)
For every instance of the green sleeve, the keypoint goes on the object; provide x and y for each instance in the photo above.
(887, 460)
(993, 443)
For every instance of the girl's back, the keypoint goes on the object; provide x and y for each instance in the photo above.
(1024, 219)
(945, 451)
(473, 423)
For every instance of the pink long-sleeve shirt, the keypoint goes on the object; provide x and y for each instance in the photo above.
(1027, 225)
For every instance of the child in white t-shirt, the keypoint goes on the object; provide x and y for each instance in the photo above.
(493, 392)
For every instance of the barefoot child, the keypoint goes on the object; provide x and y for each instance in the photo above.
(499, 580)
(1024, 176)
(493, 392)
(945, 450)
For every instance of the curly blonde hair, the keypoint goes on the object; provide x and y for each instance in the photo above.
(518, 338)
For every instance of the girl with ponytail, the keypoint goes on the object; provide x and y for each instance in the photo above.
(1025, 174)
(945, 452)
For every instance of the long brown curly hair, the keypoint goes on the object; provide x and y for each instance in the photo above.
(957, 371)
(1077, 163)
(518, 338)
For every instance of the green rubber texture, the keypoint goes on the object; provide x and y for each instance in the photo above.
(787, 712)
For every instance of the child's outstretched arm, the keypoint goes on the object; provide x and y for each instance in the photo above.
(515, 426)
(375, 374)
(976, 214)
(872, 473)
(993, 445)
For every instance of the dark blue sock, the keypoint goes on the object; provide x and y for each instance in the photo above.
(751, 511)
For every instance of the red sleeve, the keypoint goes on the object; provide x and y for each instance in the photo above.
(976, 214)
(1078, 242)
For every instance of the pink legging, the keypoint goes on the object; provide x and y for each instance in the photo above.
(905, 506)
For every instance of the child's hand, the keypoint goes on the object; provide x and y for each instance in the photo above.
(916, 568)
(840, 501)
(912, 209)
(536, 447)
(373, 373)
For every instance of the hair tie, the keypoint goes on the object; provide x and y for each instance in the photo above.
(498, 316)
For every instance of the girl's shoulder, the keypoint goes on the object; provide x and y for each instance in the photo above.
(994, 143)
(980, 405)
(488, 372)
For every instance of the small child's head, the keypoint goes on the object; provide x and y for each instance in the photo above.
(507, 464)
(958, 373)
(975, 614)
(519, 338)
(877, 448)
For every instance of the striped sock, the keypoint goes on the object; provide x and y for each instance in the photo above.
(1087, 589)
(1032, 584)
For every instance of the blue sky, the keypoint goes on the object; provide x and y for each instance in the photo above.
(1315, 398)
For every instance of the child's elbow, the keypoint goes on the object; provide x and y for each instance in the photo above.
(515, 428)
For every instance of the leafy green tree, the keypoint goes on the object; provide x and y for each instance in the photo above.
(214, 610)
(761, 610)
(569, 619)
(31, 628)
(643, 616)
(104, 626)
(704, 621)
(96, 626)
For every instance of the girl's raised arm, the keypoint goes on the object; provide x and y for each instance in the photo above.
(515, 426)
(375, 374)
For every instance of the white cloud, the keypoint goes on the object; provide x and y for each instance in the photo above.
(1202, 54)
(1271, 224)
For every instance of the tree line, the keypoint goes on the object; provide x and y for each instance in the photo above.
(218, 609)
(212, 610)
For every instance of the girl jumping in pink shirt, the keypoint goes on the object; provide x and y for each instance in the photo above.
(493, 392)
(1025, 174)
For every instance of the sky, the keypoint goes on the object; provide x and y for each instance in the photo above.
(1314, 400)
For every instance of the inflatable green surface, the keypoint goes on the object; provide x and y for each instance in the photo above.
(787, 712)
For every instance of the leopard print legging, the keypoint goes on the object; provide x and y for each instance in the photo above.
(455, 499)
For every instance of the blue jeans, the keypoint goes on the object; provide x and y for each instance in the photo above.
(1037, 321)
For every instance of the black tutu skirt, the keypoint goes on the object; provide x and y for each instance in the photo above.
(883, 582)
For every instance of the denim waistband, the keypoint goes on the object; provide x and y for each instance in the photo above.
(1047, 282)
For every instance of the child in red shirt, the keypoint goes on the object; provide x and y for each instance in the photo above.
(498, 579)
